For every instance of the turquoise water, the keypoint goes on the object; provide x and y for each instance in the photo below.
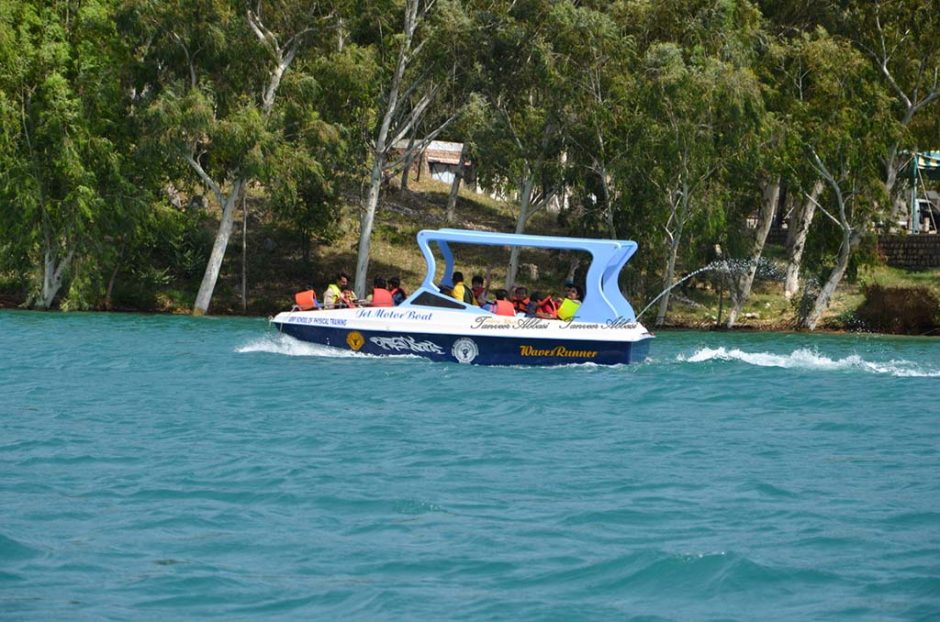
(171, 468)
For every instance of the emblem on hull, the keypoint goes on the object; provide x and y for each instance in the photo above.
(465, 350)
(355, 340)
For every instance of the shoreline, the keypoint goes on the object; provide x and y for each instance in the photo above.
(781, 328)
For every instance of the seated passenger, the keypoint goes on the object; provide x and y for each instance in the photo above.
(461, 292)
(503, 306)
(398, 294)
(479, 289)
(305, 301)
(522, 303)
(572, 301)
(334, 292)
(347, 299)
(380, 297)
(545, 308)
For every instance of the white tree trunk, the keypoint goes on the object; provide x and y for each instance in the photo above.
(799, 231)
(742, 291)
(849, 242)
(52, 275)
(527, 184)
(667, 281)
(366, 221)
(211, 275)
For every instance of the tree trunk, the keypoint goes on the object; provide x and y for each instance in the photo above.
(800, 230)
(211, 276)
(450, 214)
(366, 221)
(527, 184)
(53, 272)
(244, 254)
(667, 281)
(409, 162)
(742, 290)
(607, 197)
(849, 242)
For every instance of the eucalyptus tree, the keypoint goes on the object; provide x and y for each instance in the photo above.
(71, 185)
(213, 71)
(600, 98)
(700, 97)
(419, 72)
(900, 38)
(847, 124)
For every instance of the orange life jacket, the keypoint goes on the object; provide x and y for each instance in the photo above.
(397, 290)
(547, 305)
(521, 305)
(305, 300)
(504, 307)
(382, 298)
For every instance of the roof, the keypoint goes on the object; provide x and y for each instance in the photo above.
(438, 151)
(603, 300)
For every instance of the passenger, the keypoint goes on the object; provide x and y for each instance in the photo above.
(334, 292)
(479, 289)
(545, 308)
(572, 301)
(398, 294)
(347, 299)
(503, 306)
(380, 297)
(461, 292)
(522, 303)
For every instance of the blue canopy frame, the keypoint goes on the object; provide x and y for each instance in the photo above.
(603, 300)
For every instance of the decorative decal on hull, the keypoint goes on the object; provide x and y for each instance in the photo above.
(556, 351)
(355, 340)
(465, 350)
(397, 344)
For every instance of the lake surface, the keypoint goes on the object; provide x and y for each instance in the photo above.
(164, 468)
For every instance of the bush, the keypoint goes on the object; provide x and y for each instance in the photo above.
(903, 310)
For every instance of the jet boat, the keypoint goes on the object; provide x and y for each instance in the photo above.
(431, 324)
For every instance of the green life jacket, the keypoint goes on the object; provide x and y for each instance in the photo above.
(567, 309)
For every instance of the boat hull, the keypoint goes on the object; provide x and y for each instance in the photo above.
(476, 349)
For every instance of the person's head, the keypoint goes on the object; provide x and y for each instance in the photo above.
(394, 282)
(501, 294)
(379, 282)
(458, 277)
(520, 293)
(537, 296)
(573, 291)
(476, 281)
(342, 279)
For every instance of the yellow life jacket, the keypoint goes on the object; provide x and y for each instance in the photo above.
(567, 309)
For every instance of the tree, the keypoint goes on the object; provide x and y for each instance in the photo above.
(847, 119)
(422, 73)
(214, 107)
(71, 183)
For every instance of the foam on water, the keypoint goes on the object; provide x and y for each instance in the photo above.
(807, 359)
(282, 344)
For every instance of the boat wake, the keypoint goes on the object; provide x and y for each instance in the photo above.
(282, 344)
(807, 359)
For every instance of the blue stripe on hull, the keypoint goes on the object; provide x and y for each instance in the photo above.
(476, 350)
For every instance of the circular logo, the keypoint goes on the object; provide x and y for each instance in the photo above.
(355, 340)
(465, 350)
